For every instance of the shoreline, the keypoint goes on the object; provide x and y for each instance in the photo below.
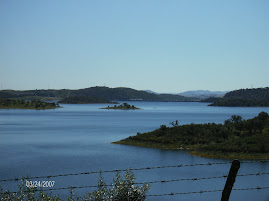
(23, 108)
(195, 152)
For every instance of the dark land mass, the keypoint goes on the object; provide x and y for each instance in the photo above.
(110, 94)
(236, 138)
(244, 98)
(124, 106)
(211, 100)
(22, 104)
(85, 100)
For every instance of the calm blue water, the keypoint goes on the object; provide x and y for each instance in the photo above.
(77, 138)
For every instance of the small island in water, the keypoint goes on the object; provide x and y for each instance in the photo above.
(236, 138)
(124, 106)
(23, 104)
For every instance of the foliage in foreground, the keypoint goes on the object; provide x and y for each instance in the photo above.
(234, 136)
(122, 189)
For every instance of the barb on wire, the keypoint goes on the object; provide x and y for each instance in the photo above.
(193, 192)
(253, 174)
(255, 161)
(209, 191)
(152, 182)
(119, 170)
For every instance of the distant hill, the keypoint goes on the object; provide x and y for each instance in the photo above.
(110, 94)
(203, 94)
(211, 99)
(84, 100)
(152, 92)
(258, 97)
(250, 94)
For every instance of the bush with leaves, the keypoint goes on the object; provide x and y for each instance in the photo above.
(27, 194)
(122, 189)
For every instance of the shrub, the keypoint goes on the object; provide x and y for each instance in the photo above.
(122, 189)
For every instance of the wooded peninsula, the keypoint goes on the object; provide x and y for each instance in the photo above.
(236, 138)
(258, 97)
(23, 104)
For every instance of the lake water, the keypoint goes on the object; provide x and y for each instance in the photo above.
(77, 138)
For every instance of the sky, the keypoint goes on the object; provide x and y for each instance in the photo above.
(165, 46)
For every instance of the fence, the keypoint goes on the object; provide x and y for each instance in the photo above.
(225, 192)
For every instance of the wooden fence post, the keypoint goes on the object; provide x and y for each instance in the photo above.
(230, 180)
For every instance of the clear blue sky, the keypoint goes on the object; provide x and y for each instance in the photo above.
(165, 46)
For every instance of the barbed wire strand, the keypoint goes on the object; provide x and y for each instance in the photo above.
(197, 192)
(210, 191)
(255, 161)
(202, 178)
(131, 169)
(119, 170)
(150, 182)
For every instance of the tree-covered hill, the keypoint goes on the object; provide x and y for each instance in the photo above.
(245, 98)
(122, 93)
(84, 100)
(107, 93)
(250, 94)
(235, 138)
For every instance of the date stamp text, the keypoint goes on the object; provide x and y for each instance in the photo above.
(43, 184)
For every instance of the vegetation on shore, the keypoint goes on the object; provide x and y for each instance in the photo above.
(122, 188)
(244, 98)
(23, 104)
(239, 102)
(236, 138)
(85, 100)
(124, 106)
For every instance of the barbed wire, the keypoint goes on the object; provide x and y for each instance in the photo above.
(197, 192)
(131, 169)
(209, 191)
(185, 193)
(142, 183)
(202, 178)
(119, 170)
(253, 174)
(255, 161)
